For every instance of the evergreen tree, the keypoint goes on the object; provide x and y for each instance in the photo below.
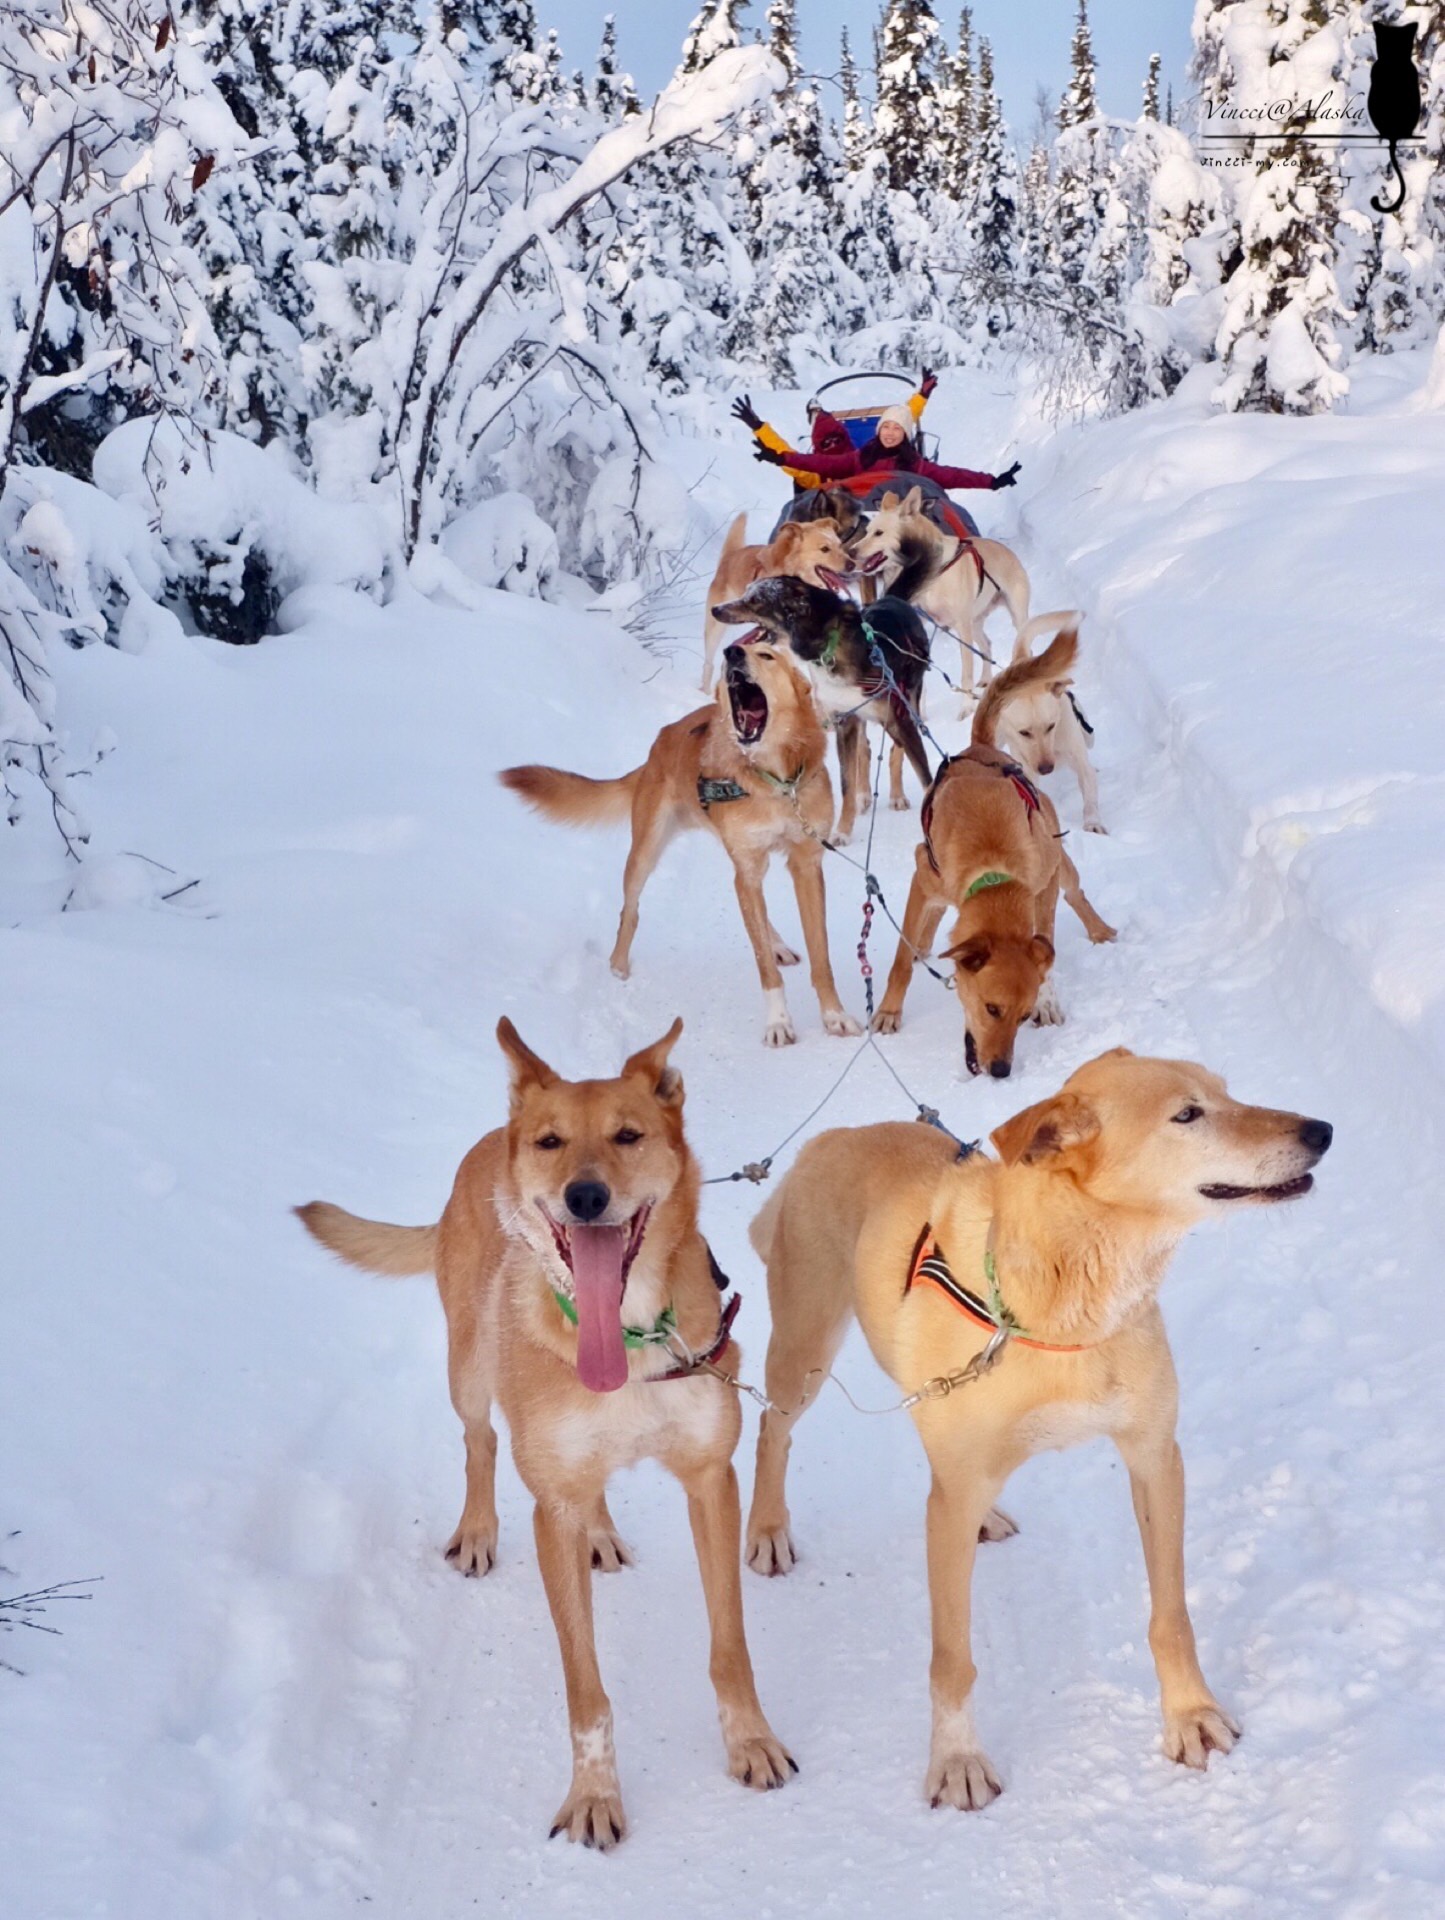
(906, 115)
(855, 132)
(1081, 97)
(1151, 88)
(1279, 338)
(613, 92)
(1081, 185)
(959, 114)
(715, 28)
(995, 205)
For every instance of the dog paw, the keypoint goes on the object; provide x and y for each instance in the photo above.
(901, 804)
(1095, 825)
(761, 1762)
(779, 1033)
(784, 956)
(473, 1550)
(771, 1550)
(838, 839)
(1103, 933)
(886, 1021)
(997, 1525)
(836, 1021)
(963, 1780)
(1047, 1011)
(592, 1815)
(610, 1552)
(1192, 1734)
(621, 969)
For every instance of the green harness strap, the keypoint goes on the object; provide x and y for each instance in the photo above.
(788, 786)
(659, 1334)
(985, 880)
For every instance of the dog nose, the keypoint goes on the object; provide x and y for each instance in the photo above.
(733, 654)
(1001, 1069)
(1046, 766)
(587, 1200)
(1316, 1134)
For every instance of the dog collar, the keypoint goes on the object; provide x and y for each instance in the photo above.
(697, 1362)
(830, 649)
(929, 1265)
(789, 786)
(993, 879)
(657, 1335)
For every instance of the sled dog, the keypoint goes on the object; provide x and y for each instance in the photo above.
(750, 767)
(865, 663)
(1016, 1301)
(954, 581)
(812, 551)
(582, 1300)
(1043, 725)
(991, 850)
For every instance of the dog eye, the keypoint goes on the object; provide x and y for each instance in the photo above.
(994, 1011)
(1186, 1115)
(1025, 733)
(626, 1137)
(550, 1142)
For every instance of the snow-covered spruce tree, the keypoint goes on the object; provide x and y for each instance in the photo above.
(613, 91)
(1387, 263)
(714, 31)
(1279, 339)
(1151, 88)
(855, 130)
(958, 115)
(1429, 171)
(1081, 177)
(805, 298)
(906, 119)
(1178, 237)
(993, 212)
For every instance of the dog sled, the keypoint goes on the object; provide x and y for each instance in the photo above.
(860, 420)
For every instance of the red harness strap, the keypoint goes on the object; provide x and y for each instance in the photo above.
(1022, 785)
(685, 1368)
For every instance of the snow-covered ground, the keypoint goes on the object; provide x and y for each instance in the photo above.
(279, 1699)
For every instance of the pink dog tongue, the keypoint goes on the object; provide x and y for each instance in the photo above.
(597, 1279)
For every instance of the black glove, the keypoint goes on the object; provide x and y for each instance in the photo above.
(928, 382)
(743, 410)
(771, 455)
(1008, 479)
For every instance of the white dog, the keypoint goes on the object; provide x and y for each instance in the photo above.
(1043, 727)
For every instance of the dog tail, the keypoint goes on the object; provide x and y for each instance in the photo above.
(1052, 664)
(372, 1244)
(736, 536)
(765, 1226)
(571, 797)
(1041, 623)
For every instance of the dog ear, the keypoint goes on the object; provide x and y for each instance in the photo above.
(528, 1068)
(1057, 686)
(651, 1065)
(788, 538)
(913, 500)
(1043, 951)
(888, 503)
(1055, 1133)
(972, 954)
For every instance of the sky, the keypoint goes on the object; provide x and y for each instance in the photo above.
(1030, 41)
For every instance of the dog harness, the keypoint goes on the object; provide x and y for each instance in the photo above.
(712, 793)
(965, 546)
(929, 1266)
(1023, 786)
(1079, 712)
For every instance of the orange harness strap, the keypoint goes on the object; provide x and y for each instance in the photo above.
(929, 1266)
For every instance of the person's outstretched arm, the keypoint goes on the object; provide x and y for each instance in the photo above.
(927, 381)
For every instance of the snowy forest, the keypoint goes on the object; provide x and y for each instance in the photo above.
(420, 262)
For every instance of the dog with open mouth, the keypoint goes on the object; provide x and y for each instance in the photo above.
(812, 550)
(992, 851)
(1015, 1302)
(582, 1300)
(751, 768)
(865, 663)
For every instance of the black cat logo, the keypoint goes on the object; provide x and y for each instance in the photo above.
(1394, 100)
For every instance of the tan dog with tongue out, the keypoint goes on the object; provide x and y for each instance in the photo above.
(581, 1298)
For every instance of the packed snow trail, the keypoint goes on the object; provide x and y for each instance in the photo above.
(282, 1701)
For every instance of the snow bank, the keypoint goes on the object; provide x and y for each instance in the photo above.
(1272, 592)
(240, 530)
